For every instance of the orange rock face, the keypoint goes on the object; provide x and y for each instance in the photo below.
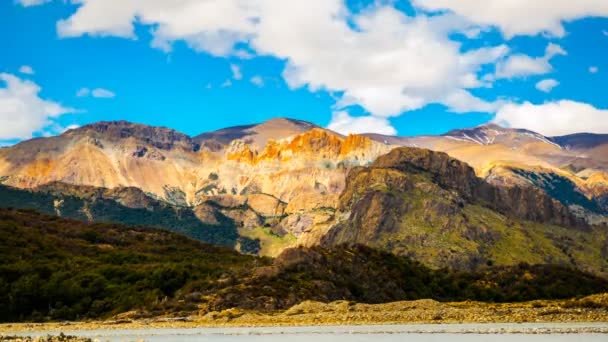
(315, 144)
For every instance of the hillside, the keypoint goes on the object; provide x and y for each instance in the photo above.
(67, 269)
(61, 269)
(122, 205)
(433, 208)
(575, 163)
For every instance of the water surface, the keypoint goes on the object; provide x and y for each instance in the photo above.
(529, 332)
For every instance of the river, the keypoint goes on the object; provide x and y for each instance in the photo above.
(527, 332)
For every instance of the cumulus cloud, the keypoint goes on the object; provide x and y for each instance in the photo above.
(97, 93)
(554, 118)
(343, 123)
(594, 69)
(26, 69)
(380, 58)
(522, 65)
(547, 85)
(521, 17)
(22, 111)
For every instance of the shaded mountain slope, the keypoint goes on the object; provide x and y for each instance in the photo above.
(104, 205)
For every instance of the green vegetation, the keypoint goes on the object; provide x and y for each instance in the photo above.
(366, 275)
(560, 188)
(269, 243)
(441, 229)
(54, 268)
(57, 269)
(176, 219)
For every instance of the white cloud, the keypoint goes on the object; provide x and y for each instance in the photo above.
(236, 72)
(257, 81)
(28, 3)
(102, 93)
(547, 85)
(97, 93)
(379, 58)
(83, 92)
(343, 123)
(522, 65)
(26, 69)
(461, 101)
(70, 127)
(594, 69)
(521, 17)
(22, 111)
(388, 63)
(554, 118)
(227, 83)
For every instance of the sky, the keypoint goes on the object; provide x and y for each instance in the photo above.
(391, 67)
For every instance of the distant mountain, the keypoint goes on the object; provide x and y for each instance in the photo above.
(573, 169)
(268, 158)
(276, 184)
(258, 135)
(581, 141)
(510, 145)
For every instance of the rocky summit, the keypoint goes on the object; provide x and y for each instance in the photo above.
(431, 207)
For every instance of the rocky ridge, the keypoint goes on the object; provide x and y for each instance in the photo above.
(434, 208)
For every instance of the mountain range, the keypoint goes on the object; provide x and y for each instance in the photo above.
(471, 197)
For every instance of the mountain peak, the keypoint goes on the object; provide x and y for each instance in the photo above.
(259, 134)
(491, 133)
(160, 137)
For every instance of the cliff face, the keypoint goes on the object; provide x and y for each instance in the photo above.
(522, 202)
(434, 208)
(316, 144)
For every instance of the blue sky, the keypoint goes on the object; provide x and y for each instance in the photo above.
(392, 67)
